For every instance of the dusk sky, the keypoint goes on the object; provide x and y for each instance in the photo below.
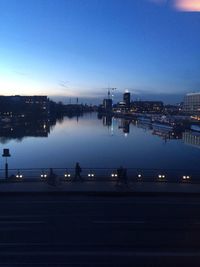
(80, 47)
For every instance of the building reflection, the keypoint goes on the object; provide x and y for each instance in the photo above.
(20, 129)
(165, 132)
(107, 120)
(192, 138)
(125, 126)
(167, 135)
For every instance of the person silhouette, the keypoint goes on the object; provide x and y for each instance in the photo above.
(52, 177)
(119, 174)
(78, 171)
(122, 175)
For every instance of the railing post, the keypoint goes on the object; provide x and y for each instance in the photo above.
(6, 170)
(6, 153)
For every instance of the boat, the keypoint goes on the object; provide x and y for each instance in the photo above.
(195, 127)
(162, 126)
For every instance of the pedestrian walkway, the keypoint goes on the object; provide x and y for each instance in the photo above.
(100, 187)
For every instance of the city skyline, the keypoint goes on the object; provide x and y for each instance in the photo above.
(79, 48)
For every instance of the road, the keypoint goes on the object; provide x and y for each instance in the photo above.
(55, 230)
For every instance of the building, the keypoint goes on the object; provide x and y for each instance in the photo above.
(147, 106)
(127, 99)
(107, 105)
(24, 105)
(191, 103)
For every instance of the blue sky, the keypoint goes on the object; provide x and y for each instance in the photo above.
(72, 48)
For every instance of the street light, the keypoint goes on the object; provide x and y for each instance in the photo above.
(6, 154)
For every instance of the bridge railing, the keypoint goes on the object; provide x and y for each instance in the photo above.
(103, 174)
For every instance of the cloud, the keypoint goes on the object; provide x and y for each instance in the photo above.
(187, 5)
(63, 84)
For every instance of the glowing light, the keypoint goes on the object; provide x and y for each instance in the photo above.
(188, 5)
(90, 174)
(19, 175)
(161, 176)
(186, 177)
(43, 175)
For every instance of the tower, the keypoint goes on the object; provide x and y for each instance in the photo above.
(127, 99)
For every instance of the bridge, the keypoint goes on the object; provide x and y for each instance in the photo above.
(103, 175)
(101, 181)
(152, 220)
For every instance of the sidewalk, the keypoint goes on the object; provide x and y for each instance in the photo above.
(101, 188)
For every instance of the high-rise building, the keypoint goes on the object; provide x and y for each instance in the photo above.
(191, 103)
(127, 99)
(107, 105)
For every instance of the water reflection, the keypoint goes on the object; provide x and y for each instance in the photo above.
(107, 120)
(42, 127)
(192, 138)
(19, 130)
(95, 143)
(163, 131)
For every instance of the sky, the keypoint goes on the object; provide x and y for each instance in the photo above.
(78, 48)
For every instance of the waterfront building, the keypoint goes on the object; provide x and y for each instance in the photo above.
(127, 99)
(147, 106)
(173, 109)
(191, 103)
(24, 105)
(107, 105)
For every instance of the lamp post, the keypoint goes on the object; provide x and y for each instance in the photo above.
(6, 154)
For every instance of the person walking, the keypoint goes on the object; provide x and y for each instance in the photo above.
(52, 177)
(78, 171)
(119, 175)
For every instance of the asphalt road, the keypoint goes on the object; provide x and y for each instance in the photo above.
(85, 230)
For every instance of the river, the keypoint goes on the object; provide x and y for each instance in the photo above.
(101, 143)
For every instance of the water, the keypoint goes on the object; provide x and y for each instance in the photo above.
(97, 145)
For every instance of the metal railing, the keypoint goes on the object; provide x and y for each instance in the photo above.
(103, 174)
